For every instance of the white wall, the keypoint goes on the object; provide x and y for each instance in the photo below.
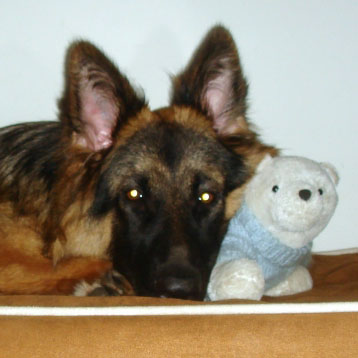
(300, 57)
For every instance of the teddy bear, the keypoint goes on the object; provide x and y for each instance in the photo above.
(267, 248)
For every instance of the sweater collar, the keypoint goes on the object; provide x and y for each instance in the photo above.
(269, 246)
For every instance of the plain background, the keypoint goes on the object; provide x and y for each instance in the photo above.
(300, 58)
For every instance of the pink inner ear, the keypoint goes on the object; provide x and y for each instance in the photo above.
(99, 113)
(218, 98)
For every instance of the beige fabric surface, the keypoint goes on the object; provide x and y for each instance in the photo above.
(269, 335)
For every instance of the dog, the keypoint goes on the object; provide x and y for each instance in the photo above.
(119, 197)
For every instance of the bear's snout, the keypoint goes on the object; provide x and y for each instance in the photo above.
(305, 194)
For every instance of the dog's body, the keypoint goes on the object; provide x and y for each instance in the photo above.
(116, 185)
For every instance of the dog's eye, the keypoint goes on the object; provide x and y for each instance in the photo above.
(275, 188)
(320, 191)
(206, 197)
(134, 194)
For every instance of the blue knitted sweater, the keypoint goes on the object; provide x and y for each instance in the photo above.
(247, 238)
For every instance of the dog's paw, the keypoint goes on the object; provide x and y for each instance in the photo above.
(112, 283)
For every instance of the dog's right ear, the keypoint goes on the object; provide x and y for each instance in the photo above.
(97, 98)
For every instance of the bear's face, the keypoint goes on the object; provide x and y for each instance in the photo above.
(293, 197)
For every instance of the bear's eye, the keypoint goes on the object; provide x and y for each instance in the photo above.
(320, 191)
(275, 188)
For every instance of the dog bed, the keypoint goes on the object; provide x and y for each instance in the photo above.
(320, 323)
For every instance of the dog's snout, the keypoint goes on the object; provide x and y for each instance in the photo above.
(305, 194)
(185, 285)
(176, 287)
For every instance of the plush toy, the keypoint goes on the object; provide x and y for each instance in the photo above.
(267, 248)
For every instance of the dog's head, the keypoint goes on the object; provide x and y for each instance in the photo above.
(167, 177)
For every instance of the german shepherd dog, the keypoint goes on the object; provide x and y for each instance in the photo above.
(114, 187)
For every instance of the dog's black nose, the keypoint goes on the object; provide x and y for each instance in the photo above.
(305, 194)
(179, 285)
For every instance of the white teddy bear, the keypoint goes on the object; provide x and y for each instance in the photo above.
(267, 248)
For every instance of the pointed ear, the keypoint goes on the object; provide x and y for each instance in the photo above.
(213, 83)
(97, 98)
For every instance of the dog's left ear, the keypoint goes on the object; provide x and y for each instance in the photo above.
(214, 84)
(97, 98)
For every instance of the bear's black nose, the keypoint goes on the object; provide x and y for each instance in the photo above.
(305, 194)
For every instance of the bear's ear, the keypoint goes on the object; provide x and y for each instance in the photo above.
(213, 83)
(265, 162)
(331, 171)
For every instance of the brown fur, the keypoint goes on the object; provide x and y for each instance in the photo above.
(64, 214)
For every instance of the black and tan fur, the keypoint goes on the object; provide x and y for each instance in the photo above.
(66, 210)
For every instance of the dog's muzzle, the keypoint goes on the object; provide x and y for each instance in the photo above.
(178, 281)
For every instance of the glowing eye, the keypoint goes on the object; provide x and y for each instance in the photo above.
(134, 194)
(206, 197)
